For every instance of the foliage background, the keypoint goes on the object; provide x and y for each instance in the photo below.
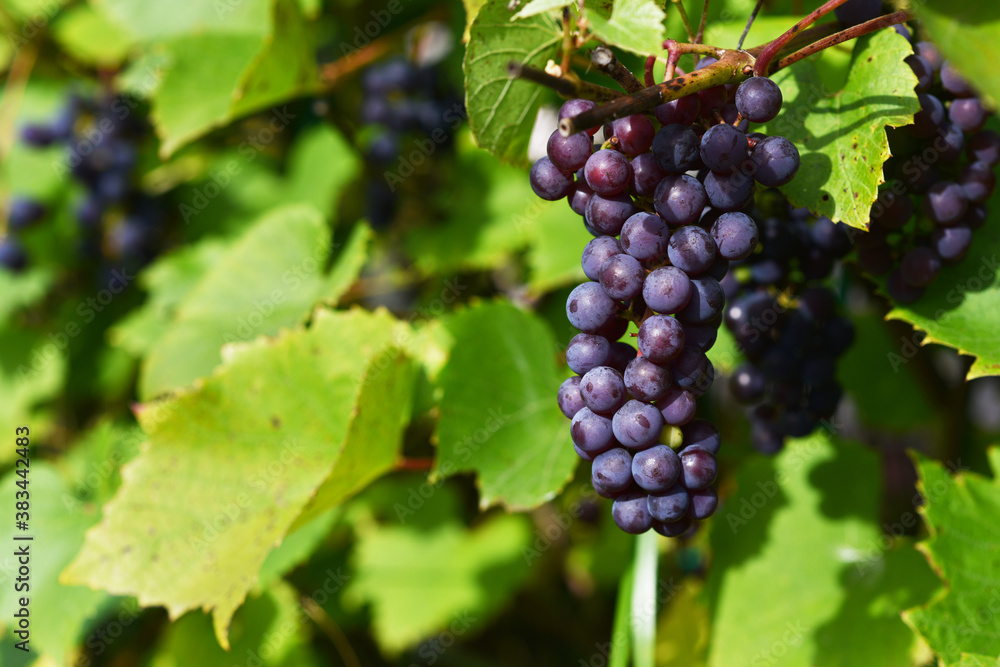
(224, 452)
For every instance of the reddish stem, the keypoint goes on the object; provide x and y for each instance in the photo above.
(843, 36)
(649, 80)
(415, 464)
(764, 60)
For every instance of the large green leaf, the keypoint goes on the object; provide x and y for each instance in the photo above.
(841, 134)
(968, 34)
(499, 416)
(91, 37)
(269, 279)
(32, 370)
(963, 516)
(961, 309)
(633, 25)
(260, 56)
(970, 660)
(421, 582)
(270, 630)
(230, 465)
(799, 575)
(502, 110)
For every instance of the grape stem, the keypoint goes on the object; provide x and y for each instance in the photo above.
(605, 61)
(772, 49)
(753, 16)
(845, 35)
(684, 19)
(733, 67)
(701, 24)
(568, 85)
(415, 464)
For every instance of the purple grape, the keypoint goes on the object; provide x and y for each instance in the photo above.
(607, 214)
(893, 214)
(674, 528)
(723, 148)
(876, 259)
(631, 513)
(984, 146)
(735, 235)
(945, 203)
(729, 115)
(621, 277)
(701, 433)
(930, 53)
(645, 236)
(667, 290)
(766, 437)
(951, 243)
(614, 329)
(728, 192)
(670, 505)
(719, 268)
(576, 107)
(647, 381)
(620, 356)
(693, 371)
(603, 390)
(968, 114)
(929, 118)
(656, 469)
(776, 161)
(691, 249)
(704, 503)
(920, 266)
(758, 99)
(588, 308)
(548, 182)
(698, 468)
(700, 336)
(568, 153)
(676, 148)
(612, 470)
(923, 71)
(12, 255)
(24, 212)
(680, 199)
(637, 425)
(975, 217)
(682, 111)
(747, 383)
(579, 194)
(952, 142)
(591, 432)
(954, 82)
(661, 338)
(608, 172)
(900, 290)
(854, 12)
(597, 252)
(589, 458)
(635, 134)
(677, 407)
(707, 301)
(570, 400)
(646, 175)
(831, 237)
(586, 352)
(977, 181)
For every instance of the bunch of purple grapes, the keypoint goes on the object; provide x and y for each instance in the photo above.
(679, 200)
(940, 176)
(786, 323)
(117, 220)
(403, 99)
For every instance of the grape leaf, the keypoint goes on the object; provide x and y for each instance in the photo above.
(90, 37)
(968, 33)
(155, 21)
(32, 371)
(536, 7)
(231, 69)
(269, 279)
(962, 514)
(450, 578)
(502, 110)
(839, 605)
(841, 135)
(499, 416)
(65, 502)
(961, 308)
(270, 630)
(229, 465)
(971, 660)
(633, 25)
